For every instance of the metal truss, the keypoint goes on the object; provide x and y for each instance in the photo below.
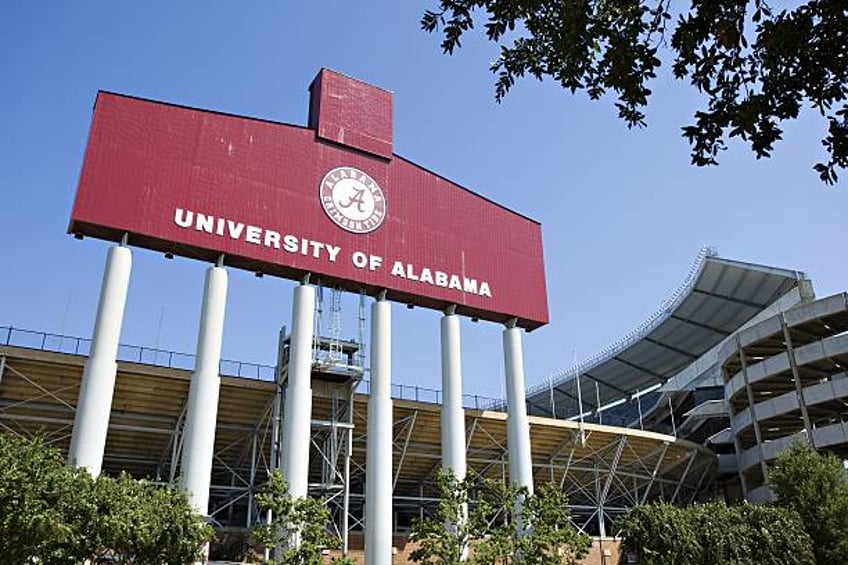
(603, 470)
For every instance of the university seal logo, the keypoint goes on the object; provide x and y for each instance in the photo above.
(352, 200)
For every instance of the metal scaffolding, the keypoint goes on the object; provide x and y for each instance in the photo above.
(613, 469)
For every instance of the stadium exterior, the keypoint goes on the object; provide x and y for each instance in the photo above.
(738, 363)
(604, 469)
(785, 381)
(742, 359)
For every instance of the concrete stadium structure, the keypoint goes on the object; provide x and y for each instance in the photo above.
(785, 381)
(739, 362)
(604, 469)
(742, 359)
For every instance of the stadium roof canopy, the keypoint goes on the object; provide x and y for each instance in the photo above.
(718, 296)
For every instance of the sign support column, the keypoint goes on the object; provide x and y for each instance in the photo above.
(378, 465)
(94, 404)
(297, 416)
(453, 414)
(202, 408)
(518, 427)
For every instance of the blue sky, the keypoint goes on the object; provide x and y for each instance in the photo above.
(623, 213)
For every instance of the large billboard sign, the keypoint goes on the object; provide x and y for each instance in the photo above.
(329, 199)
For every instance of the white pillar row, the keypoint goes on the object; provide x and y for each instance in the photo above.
(518, 427)
(453, 415)
(94, 403)
(297, 415)
(202, 409)
(378, 464)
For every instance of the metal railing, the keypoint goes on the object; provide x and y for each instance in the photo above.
(58, 343)
(434, 396)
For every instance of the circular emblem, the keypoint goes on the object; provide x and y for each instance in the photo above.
(353, 200)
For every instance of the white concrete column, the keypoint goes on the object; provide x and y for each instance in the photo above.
(202, 409)
(94, 403)
(378, 465)
(297, 416)
(453, 415)
(518, 427)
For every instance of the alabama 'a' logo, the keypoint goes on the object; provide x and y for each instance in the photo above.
(353, 200)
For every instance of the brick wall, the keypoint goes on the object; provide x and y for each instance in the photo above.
(608, 548)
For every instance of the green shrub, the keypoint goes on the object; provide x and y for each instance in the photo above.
(661, 534)
(490, 533)
(716, 534)
(815, 486)
(298, 526)
(59, 515)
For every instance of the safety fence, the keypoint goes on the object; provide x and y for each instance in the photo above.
(44, 341)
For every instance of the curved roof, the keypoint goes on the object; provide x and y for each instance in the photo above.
(718, 296)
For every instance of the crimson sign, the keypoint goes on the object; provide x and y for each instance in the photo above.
(330, 199)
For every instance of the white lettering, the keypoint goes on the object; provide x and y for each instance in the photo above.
(272, 239)
(258, 235)
(253, 235)
(235, 229)
(332, 252)
(183, 218)
(290, 243)
(359, 259)
(397, 270)
(204, 223)
(317, 246)
(410, 273)
(484, 289)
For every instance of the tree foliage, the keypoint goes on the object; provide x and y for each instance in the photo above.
(490, 533)
(143, 523)
(298, 526)
(444, 539)
(755, 66)
(815, 487)
(660, 534)
(716, 534)
(55, 514)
